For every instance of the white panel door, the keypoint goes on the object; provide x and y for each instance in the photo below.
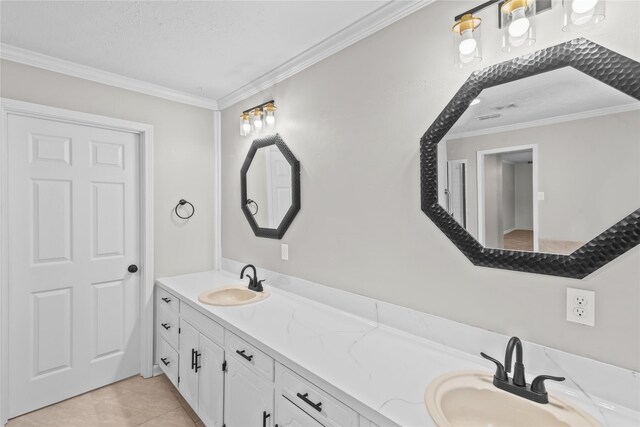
(210, 383)
(188, 383)
(248, 399)
(74, 230)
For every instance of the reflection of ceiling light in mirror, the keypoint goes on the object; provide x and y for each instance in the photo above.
(475, 101)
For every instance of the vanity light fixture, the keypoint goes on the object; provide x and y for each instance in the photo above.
(582, 13)
(514, 21)
(257, 118)
(467, 40)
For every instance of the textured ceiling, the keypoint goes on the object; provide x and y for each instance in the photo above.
(206, 48)
(548, 95)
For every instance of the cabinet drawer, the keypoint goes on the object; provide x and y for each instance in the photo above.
(289, 415)
(314, 401)
(168, 325)
(249, 355)
(168, 358)
(202, 323)
(167, 300)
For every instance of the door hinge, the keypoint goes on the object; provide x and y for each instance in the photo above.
(178, 379)
(224, 367)
(179, 330)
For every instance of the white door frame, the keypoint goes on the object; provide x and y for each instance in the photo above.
(480, 179)
(145, 133)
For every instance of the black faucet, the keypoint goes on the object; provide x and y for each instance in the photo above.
(254, 283)
(536, 391)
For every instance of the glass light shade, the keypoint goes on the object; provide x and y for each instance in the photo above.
(582, 13)
(270, 115)
(245, 125)
(257, 120)
(518, 24)
(467, 41)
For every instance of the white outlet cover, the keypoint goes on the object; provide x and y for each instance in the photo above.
(284, 252)
(585, 313)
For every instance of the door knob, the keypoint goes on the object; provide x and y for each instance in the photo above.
(132, 268)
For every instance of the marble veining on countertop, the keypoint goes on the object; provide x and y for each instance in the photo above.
(379, 368)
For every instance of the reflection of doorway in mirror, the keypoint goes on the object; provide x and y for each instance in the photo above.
(456, 191)
(278, 186)
(507, 198)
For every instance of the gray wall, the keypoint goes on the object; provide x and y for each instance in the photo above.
(183, 155)
(588, 165)
(493, 202)
(354, 121)
(524, 196)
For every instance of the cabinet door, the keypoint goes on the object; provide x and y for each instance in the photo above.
(188, 384)
(210, 383)
(289, 415)
(248, 399)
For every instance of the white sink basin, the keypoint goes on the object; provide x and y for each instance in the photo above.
(469, 398)
(232, 295)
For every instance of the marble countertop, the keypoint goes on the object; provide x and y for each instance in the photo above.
(371, 367)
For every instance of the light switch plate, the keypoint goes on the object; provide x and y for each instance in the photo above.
(284, 251)
(581, 306)
(541, 196)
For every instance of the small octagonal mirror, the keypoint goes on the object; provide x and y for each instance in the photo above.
(270, 185)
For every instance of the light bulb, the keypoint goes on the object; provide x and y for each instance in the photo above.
(257, 123)
(520, 23)
(246, 126)
(468, 44)
(476, 101)
(583, 6)
(270, 119)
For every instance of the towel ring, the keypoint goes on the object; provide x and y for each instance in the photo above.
(252, 202)
(183, 202)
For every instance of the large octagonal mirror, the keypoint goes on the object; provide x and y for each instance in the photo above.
(537, 162)
(270, 185)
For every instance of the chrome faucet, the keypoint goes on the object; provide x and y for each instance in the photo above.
(254, 283)
(536, 391)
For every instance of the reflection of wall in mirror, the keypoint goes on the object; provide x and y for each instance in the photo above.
(588, 170)
(493, 202)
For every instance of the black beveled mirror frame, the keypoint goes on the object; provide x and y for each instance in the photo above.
(609, 67)
(271, 233)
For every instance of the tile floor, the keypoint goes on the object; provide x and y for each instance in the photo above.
(132, 402)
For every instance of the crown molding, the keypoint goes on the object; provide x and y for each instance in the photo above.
(367, 25)
(39, 60)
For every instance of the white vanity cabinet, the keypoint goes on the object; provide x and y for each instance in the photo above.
(289, 415)
(201, 376)
(248, 390)
(231, 383)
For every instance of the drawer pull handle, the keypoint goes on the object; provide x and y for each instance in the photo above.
(164, 360)
(265, 416)
(167, 300)
(241, 353)
(305, 399)
(166, 326)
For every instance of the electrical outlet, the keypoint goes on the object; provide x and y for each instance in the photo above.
(284, 252)
(581, 306)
